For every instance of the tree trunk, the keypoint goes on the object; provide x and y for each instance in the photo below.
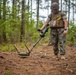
(14, 9)
(37, 14)
(4, 19)
(22, 35)
(18, 7)
(31, 11)
(73, 10)
(61, 5)
(0, 10)
(13, 6)
(0, 19)
(28, 9)
(55, 1)
(69, 11)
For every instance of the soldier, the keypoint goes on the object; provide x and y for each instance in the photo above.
(58, 24)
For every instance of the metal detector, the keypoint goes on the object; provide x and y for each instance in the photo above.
(42, 34)
(29, 50)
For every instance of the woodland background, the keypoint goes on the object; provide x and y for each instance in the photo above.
(20, 19)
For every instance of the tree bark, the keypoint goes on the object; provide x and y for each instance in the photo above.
(69, 11)
(37, 14)
(55, 1)
(0, 10)
(31, 11)
(4, 19)
(22, 35)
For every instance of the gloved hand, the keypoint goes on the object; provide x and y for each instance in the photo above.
(41, 33)
(39, 30)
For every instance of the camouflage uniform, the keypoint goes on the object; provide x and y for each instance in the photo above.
(57, 38)
(58, 25)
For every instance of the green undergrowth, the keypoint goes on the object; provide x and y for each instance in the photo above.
(30, 41)
(7, 73)
(29, 44)
(7, 47)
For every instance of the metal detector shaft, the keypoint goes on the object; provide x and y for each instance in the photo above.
(27, 48)
(35, 44)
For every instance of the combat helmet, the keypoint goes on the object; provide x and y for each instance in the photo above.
(54, 5)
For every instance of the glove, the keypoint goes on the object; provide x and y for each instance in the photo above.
(39, 30)
(41, 34)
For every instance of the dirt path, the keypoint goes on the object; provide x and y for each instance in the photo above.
(40, 62)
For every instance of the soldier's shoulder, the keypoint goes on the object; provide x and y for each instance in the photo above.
(62, 12)
(49, 16)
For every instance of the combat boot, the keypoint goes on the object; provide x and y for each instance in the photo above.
(63, 57)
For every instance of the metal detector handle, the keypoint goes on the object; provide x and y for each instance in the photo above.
(43, 32)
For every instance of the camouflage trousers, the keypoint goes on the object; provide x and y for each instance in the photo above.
(58, 41)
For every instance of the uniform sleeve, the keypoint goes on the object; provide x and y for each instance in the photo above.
(63, 14)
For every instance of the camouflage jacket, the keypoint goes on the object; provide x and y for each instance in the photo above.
(56, 20)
